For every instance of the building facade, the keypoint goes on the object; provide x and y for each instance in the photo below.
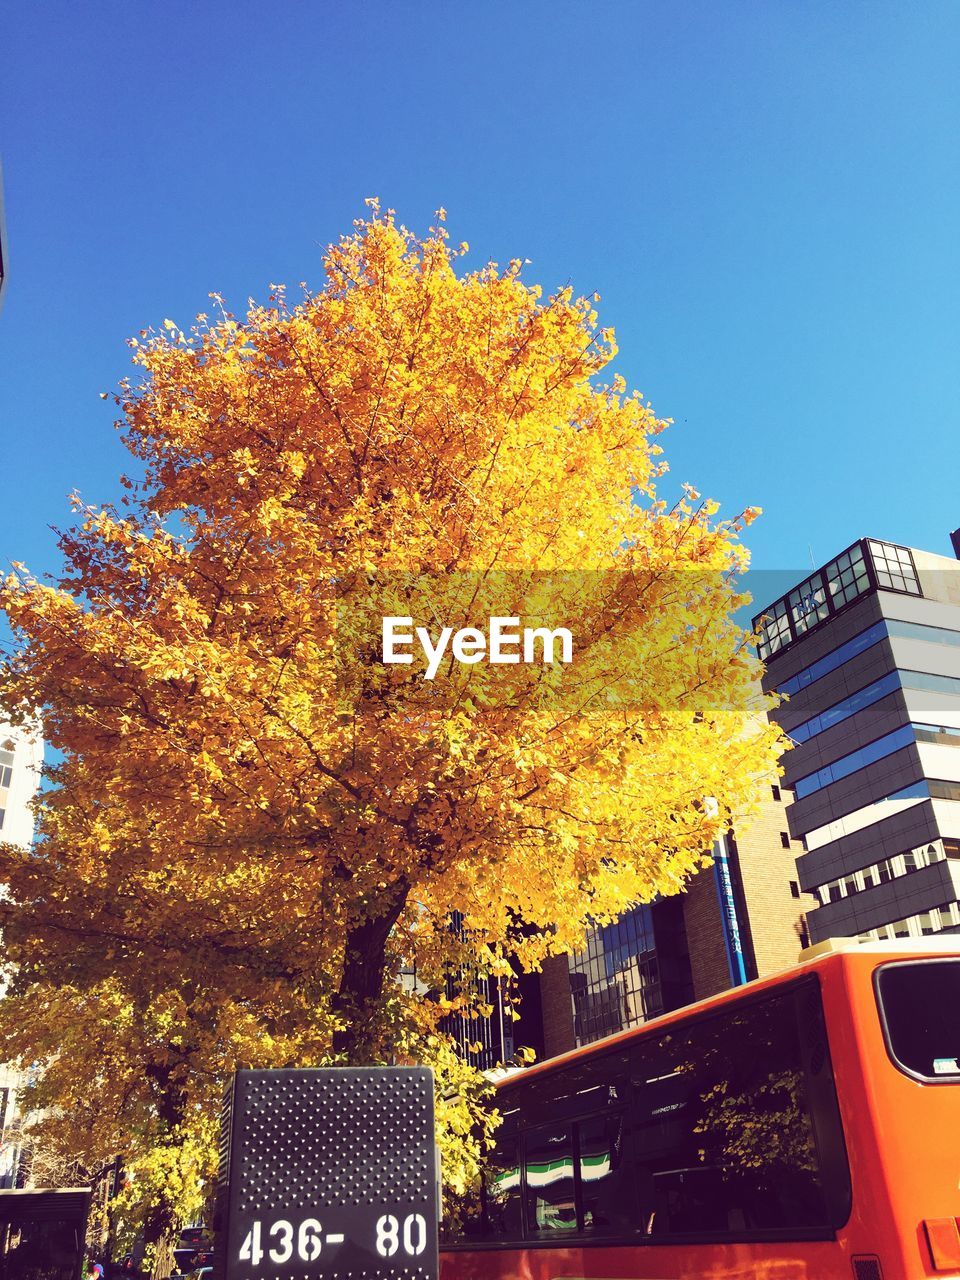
(867, 650)
(741, 918)
(21, 760)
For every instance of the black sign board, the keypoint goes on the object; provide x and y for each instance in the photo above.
(328, 1173)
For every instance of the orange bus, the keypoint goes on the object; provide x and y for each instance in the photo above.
(802, 1127)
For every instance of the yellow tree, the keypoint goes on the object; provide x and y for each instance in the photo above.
(254, 819)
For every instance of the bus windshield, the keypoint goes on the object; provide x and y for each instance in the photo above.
(919, 1004)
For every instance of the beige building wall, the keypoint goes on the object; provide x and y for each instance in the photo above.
(775, 906)
(772, 909)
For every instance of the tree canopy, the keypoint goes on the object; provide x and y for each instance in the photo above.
(252, 821)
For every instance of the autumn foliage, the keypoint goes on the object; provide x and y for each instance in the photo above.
(252, 822)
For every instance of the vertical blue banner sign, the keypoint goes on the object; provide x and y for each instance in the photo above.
(728, 913)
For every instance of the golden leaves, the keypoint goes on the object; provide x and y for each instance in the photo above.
(242, 782)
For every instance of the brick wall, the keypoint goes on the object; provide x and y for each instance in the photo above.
(708, 952)
(767, 869)
(557, 1006)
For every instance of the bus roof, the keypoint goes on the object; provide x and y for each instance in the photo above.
(817, 956)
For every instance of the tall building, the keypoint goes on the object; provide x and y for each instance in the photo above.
(741, 918)
(21, 758)
(867, 649)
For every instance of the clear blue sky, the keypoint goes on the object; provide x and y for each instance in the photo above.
(766, 195)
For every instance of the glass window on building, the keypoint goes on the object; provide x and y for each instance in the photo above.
(808, 604)
(922, 631)
(775, 632)
(894, 568)
(615, 980)
(935, 684)
(865, 565)
(940, 789)
(855, 760)
(942, 735)
(847, 577)
(838, 657)
(846, 708)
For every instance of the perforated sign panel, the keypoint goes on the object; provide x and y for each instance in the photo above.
(329, 1173)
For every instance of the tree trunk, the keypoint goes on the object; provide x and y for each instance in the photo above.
(159, 1231)
(158, 1240)
(160, 1227)
(358, 998)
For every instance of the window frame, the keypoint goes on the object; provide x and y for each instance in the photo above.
(885, 1025)
(530, 1230)
(814, 601)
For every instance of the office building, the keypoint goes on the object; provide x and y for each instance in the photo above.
(741, 918)
(867, 648)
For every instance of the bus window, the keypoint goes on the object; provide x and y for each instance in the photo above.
(606, 1203)
(548, 1164)
(502, 1189)
(580, 1089)
(724, 1125)
(918, 1002)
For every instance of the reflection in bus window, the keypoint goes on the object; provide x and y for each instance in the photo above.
(548, 1159)
(725, 1130)
(462, 1214)
(605, 1198)
(503, 1188)
(703, 1130)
